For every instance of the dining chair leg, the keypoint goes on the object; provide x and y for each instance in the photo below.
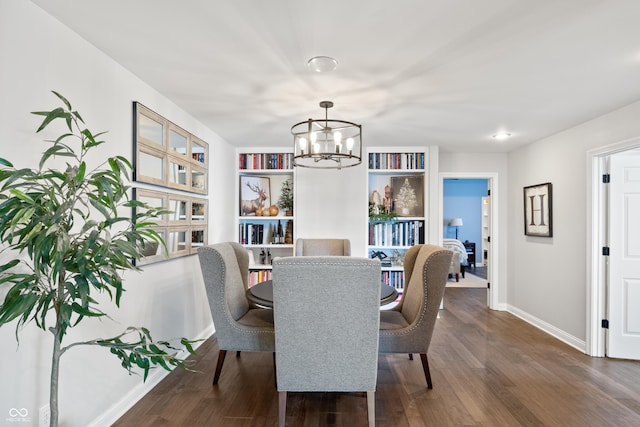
(238, 353)
(410, 356)
(216, 375)
(282, 407)
(275, 372)
(425, 366)
(371, 408)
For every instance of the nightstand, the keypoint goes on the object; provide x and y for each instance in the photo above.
(471, 253)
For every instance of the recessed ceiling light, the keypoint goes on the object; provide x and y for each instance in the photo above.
(322, 64)
(501, 135)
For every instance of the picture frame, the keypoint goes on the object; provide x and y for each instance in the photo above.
(255, 193)
(407, 192)
(538, 208)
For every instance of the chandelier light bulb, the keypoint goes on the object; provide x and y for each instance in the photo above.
(302, 142)
(349, 144)
(313, 136)
(337, 137)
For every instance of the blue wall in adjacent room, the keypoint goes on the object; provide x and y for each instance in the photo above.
(463, 199)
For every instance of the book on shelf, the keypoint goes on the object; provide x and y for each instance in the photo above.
(396, 233)
(257, 276)
(393, 278)
(265, 161)
(406, 161)
(251, 234)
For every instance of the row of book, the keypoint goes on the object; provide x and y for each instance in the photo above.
(256, 234)
(393, 278)
(400, 233)
(259, 276)
(252, 234)
(396, 161)
(258, 161)
(199, 157)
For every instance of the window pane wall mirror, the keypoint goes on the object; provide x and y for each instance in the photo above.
(184, 229)
(167, 155)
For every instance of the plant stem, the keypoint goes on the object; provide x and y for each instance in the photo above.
(53, 387)
(57, 351)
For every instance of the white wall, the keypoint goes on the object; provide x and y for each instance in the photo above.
(37, 55)
(547, 277)
(331, 203)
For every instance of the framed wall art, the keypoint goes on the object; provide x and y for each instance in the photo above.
(408, 195)
(255, 193)
(538, 220)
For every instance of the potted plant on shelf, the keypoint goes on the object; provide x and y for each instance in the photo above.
(67, 240)
(286, 197)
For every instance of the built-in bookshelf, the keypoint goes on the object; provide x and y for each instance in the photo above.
(397, 191)
(266, 232)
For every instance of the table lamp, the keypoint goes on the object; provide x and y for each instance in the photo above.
(456, 222)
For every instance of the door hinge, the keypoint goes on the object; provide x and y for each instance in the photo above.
(488, 192)
(605, 250)
(488, 239)
(488, 285)
(605, 323)
(606, 178)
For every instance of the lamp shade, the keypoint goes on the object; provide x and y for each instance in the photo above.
(456, 222)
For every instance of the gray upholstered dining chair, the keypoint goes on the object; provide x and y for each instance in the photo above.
(408, 327)
(327, 313)
(322, 247)
(238, 326)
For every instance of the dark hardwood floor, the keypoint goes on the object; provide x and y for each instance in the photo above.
(479, 271)
(489, 369)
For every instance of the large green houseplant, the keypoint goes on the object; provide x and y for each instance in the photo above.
(67, 237)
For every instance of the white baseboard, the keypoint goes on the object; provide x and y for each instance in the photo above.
(128, 400)
(566, 338)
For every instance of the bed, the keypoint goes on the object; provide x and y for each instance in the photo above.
(460, 260)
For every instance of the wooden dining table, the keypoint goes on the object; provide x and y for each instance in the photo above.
(262, 294)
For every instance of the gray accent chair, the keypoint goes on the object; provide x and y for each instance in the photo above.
(239, 326)
(408, 327)
(327, 314)
(322, 247)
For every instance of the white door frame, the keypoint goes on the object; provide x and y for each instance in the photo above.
(494, 259)
(597, 205)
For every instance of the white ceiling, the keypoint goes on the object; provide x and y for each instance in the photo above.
(412, 72)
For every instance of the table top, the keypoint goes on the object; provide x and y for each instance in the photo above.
(262, 294)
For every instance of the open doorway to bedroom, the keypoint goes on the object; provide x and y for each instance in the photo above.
(465, 230)
(468, 216)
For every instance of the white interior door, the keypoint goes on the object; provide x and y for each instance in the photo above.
(624, 260)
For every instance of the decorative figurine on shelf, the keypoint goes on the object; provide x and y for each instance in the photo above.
(387, 202)
(288, 234)
(378, 254)
(374, 203)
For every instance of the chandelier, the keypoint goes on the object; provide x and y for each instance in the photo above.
(327, 143)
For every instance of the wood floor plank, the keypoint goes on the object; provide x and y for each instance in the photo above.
(489, 369)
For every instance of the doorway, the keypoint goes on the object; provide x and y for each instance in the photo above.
(604, 286)
(491, 246)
